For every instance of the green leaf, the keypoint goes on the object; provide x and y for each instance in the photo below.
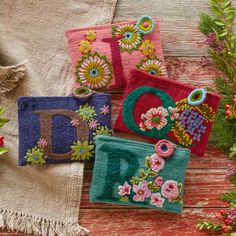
(226, 4)
(216, 10)
(229, 196)
(219, 22)
(2, 110)
(3, 150)
(221, 35)
(142, 173)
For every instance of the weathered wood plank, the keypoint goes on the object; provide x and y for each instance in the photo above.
(138, 222)
(202, 189)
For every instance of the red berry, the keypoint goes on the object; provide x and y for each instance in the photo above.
(227, 106)
(224, 228)
(1, 141)
(228, 113)
(227, 221)
(234, 100)
(222, 212)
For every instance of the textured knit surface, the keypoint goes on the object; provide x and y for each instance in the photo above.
(63, 133)
(144, 92)
(117, 160)
(121, 60)
(34, 30)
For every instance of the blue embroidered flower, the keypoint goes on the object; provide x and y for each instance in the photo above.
(145, 24)
(197, 97)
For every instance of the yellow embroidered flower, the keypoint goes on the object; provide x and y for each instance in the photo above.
(85, 46)
(90, 35)
(147, 47)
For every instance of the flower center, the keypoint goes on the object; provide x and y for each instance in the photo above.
(152, 71)
(86, 113)
(158, 163)
(82, 150)
(171, 186)
(145, 24)
(36, 157)
(156, 119)
(164, 148)
(140, 192)
(128, 35)
(94, 73)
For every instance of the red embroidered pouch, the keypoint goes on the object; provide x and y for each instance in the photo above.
(160, 108)
(102, 56)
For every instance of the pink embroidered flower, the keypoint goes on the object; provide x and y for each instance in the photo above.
(93, 124)
(174, 115)
(158, 181)
(141, 191)
(157, 200)
(231, 170)
(142, 126)
(42, 143)
(155, 117)
(157, 163)
(170, 189)
(104, 110)
(75, 122)
(124, 189)
(164, 148)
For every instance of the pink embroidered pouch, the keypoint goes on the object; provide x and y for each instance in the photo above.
(102, 56)
(160, 108)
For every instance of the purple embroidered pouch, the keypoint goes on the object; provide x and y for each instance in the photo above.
(61, 129)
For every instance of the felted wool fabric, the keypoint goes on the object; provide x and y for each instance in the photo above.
(130, 173)
(116, 48)
(43, 200)
(158, 108)
(61, 129)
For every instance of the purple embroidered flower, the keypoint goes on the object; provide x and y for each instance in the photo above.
(220, 48)
(104, 110)
(231, 170)
(42, 143)
(210, 39)
(124, 189)
(157, 163)
(75, 122)
(232, 216)
(141, 191)
(158, 181)
(93, 124)
(157, 200)
(170, 189)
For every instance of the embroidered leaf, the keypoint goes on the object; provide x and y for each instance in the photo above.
(147, 162)
(124, 199)
(152, 186)
(153, 173)
(142, 173)
(134, 180)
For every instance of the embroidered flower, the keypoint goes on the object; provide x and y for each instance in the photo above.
(75, 122)
(231, 170)
(104, 110)
(155, 117)
(90, 35)
(145, 24)
(35, 156)
(102, 130)
(147, 47)
(86, 112)
(158, 181)
(93, 124)
(157, 200)
(170, 189)
(142, 126)
(141, 191)
(197, 96)
(157, 163)
(81, 151)
(94, 71)
(174, 115)
(82, 92)
(85, 46)
(152, 66)
(42, 143)
(1, 141)
(124, 189)
(128, 36)
(164, 148)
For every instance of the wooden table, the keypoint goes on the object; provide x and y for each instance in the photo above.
(183, 47)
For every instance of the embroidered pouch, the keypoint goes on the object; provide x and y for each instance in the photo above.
(102, 56)
(139, 174)
(160, 108)
(61, 129)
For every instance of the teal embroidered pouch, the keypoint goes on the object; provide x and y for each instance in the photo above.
(139, 174)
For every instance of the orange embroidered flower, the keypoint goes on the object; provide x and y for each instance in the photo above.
(147, 47)
(85, 46)
(90, 35)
